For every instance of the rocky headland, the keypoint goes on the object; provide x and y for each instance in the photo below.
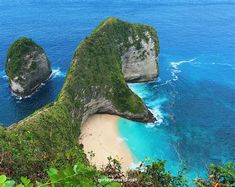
(115, 52)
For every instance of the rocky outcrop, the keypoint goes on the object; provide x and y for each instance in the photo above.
(115, 53)
(27, 66)
(140, 64)
(105, 106)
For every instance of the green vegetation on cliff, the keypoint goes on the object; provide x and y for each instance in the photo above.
(16, 53)
(100, 53)
(49, 137)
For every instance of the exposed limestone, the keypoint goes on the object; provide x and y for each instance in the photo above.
(140, 65)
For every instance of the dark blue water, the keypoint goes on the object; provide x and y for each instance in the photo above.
(194, 97)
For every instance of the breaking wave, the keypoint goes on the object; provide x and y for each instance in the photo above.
(3, 75)
(175, 68)
(57, 73)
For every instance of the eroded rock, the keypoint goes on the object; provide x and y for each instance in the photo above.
(140, 64)
(27, 66)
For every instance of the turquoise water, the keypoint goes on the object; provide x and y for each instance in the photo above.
(194, 102)
(194, 96)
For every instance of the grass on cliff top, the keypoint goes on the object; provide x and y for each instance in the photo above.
(16, 53)
(49, 137)
(123, 30)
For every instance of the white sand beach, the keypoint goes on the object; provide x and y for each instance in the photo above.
(100, 135)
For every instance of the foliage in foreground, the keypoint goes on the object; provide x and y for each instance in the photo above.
(219, 176)
(78, 175)
(148, 175)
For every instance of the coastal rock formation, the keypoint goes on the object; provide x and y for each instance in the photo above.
(27, 66)
(139, 63)
(95, 83)
(105, 106)
(121, 52)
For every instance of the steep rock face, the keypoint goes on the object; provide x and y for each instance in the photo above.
(27, 66)
(140, 64)
(105, 106)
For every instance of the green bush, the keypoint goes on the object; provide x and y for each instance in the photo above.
(219, 176)
(79, 175)
(16, 54)
(152, 174)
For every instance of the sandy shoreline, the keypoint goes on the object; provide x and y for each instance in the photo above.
(100, 135)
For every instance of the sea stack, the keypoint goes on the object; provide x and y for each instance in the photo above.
(27, 66)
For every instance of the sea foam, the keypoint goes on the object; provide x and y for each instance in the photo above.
(57, 73)
(3, 75)
(175, 68)
(154, 104)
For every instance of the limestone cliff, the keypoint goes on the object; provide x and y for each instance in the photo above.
(113, 49)
(95, 83)
(139, 64)
(27, 66)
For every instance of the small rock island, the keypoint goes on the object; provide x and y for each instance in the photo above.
(27, 66)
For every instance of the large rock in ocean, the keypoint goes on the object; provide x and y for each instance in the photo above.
(27, 66)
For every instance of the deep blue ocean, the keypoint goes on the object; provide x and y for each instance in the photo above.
(194, 96)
